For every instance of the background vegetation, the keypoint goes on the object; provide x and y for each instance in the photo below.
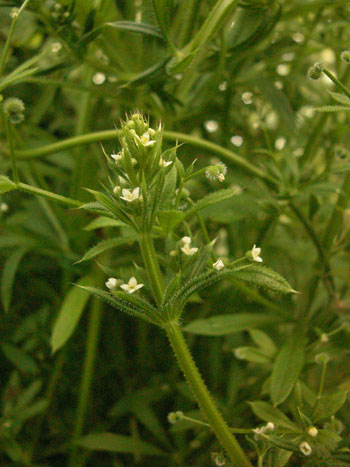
(229, 81)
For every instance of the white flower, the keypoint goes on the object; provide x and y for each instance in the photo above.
(56, 47)
(305, 448)
(221, 177)
(111, 283)
(268, 428)
(189, 251)
(164, 164)
(131, 286)
(324, 338)
(186, 240)
(131, 196)
(117, 157)
(218, 265)
(145, 139)
(3, 207)
(255, 252)
(313, 431)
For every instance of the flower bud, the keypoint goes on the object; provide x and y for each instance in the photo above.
(174, 417)
(305, 448)
(13, 109)
(312, 431)
(322, 358)
(216, 172)
(341, 152)
(345, 56)
(315, 72)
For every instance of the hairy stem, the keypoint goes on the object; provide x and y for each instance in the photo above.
(204, 399)
(152, 266)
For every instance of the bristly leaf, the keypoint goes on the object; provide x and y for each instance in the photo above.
(264, 277)
(139, 28)
(213, 198)
(124, 305)
(268, 413)
(332, 108)
(107, 245)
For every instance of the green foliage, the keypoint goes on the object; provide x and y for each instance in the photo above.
(206, 109)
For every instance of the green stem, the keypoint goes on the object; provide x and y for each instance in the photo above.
(152, 266)
(336, 81)
(194, 379)
(12, 151)
(172, 136)
(33, 190)
(87, 376)
(9, 37)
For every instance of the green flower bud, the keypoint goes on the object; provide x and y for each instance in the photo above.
(13, 109)
(345, 56)
(174, 417)
(315, 72)
(341, 152)
(322, 358)
(216, 172)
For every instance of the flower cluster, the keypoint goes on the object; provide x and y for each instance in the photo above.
(131, 287)
(14, 109)
(186, 248)
(216, 172)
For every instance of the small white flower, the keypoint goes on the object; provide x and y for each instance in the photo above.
(56, 47)
(189, 251)
(305, 448)
(117, 157)
(163, 164)
(255, 252)
(131, 286)
(146, 140)
(268, 428)
(131, 196)
(324, 338)
(313, 431)
(221, 177)
(111, 283)
(4, 207)
(218, 265)
(186, 240)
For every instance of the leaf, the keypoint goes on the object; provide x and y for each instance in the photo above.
(332, 108)
(139, 28)
(19, 358)
(102, 222)
(153, 316)
(118, 443)
(8, 276)
(6, 184)
(328, 405)
(222, 325)
(213, 198)
(251, 354)
(341, 98)
(264, 277)
(164, 14)
(268, 413)
(263, 341)
(107, 245)
(282, 443)
(287, 368)
(168, 220)
(69, 314)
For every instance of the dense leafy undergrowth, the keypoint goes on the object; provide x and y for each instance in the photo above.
(155, 153)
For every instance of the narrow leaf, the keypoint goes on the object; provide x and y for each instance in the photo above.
(268, 413)
(102, 222)
(69, 314)
(332, 108)
(139, 28)
(213, 198)
(168, 220)
(6, 184)
(264, 277)
(118, 443)
(328, 405)
(287, 368)
(229, 324)
(107, 245)
(8, 276)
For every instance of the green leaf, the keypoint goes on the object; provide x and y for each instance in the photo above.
(341, 98)
(69, 314)
(8, 276)
(19, 358)
(213, 198)
(332, 108)
(118, 443)
(6, 184)
(264, 277)
(168, 220)
(268, 413)
(152, 316)
(139, 28)
(102, 222)
(251, 354)
(328, 405)
(263, 341)
(287, 368)
(106, 245)
(164, 14)
(282, 443)
(222, 325)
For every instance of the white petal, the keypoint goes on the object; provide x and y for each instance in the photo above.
(125, 287)
(132, 281)
(126, 193)
(136, 192)
(258, 259)
(186, 240)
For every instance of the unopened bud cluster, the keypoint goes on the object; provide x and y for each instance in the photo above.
(216, 172)
(315, 72)
(14, 109)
